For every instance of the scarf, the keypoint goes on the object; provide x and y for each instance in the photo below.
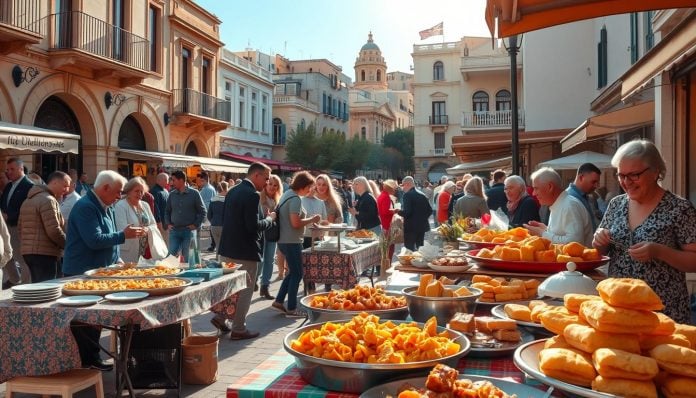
(512, 205)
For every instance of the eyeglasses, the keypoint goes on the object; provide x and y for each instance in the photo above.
(633, 177)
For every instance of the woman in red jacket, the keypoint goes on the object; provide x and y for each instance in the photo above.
(443, 200)
(385, 208)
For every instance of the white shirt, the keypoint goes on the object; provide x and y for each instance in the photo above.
(569, 221)
(67, 204)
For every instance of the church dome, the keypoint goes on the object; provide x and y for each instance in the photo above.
(370, 45)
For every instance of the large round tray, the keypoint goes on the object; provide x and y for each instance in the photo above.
(391, 389)
(531, 266)
(152, 292)
(499, 311)
(357, 377)
(526, 358)
(319, 315)
(472, 244)
(91, 273)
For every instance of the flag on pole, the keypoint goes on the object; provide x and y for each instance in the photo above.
(436, 30)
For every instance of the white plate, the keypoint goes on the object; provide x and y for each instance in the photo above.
(510, 387)
(79, 301)
(449, 268)
(126, 297)
(37, 287)
(526, 358)
(499, 311)
(36, 296)
(35, 300)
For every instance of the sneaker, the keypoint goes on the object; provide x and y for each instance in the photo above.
(101, 365)
(296, 313)
(279, 306)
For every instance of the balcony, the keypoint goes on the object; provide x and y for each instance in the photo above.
(193, 108)
(438, 152)
(490, 120)
(296, 101)
(80, 43)
(20, 25)
(438, 120)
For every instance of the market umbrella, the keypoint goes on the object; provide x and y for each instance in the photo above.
(572, 162)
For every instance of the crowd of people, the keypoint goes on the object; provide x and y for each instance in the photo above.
(64, 227)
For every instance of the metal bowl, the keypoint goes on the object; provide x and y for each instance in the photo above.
(357, 377)
(318, 315)
(443, 308)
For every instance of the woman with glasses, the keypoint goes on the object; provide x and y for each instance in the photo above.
(649, 232)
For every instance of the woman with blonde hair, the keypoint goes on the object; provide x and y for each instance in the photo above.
(365, 209)
(132, 210)
(270, 195)
(325, 192)
(374, 188)
(473, 203)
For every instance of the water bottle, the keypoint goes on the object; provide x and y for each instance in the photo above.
(194, 257)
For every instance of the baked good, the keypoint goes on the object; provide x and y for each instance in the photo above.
(441, 378)
(625, 388)
(675, 359)
(508, 296)
(507, 335)
(619, 364)
(572, 301)
(556, 319)
(480, 278)
(588, 339)
(425, 279)
(650, 341)
(629, 293)
(487, 324)
(688, 331)
(666, 326)
(540, 309)
(678, 387)
(567, 364)
(462, 322)
(519, 312)
(607, 318)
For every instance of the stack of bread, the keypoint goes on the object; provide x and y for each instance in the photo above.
(501, 289)
(616, 343)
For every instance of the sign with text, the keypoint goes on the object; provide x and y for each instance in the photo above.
(27, 142)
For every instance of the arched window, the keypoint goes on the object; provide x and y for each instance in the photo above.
(363, 133)
(379, 75)
(302, 124)
(130, 135)
(192, 149)
(503, 100)
(438, 71)
(362, 75)
(480, 100)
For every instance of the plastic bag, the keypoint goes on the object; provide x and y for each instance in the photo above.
(499, 220)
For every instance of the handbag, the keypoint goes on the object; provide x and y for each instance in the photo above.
(272, 234)
(158, 249)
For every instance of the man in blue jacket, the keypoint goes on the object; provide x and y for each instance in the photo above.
(92, 241)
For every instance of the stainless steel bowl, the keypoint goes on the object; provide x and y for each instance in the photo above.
(443, 308)
(320, 315)
(357, 377)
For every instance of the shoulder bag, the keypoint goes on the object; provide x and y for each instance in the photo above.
(272, 234)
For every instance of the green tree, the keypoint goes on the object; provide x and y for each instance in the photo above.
(401, 141)
(353, 157)
(302, 146)
(331, 145)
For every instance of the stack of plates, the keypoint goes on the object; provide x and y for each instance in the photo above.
(36, 292)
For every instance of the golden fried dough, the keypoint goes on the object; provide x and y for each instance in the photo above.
(518, 312)
(689, 331)
(619, 364)
(572, 301)
(666, 326)
(462, 322)
(678, 387)
(607, 318)
(567, 364)
(588, 339)
(487, 324)
(650, 341)
(629, 293)
(557, 319)
(675, 359)
(625, 388)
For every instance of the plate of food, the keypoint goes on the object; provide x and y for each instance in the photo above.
(449, 264)
(463, 385)
(229, 267)
(542, 267)
(361, 234)
(525, 313)
(153, 286)
(489, 336)
(129, 272)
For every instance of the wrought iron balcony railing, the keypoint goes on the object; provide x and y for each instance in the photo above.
(483, 119)
(22, 14)
(194, 102)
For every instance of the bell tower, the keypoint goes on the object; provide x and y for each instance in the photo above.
(370, 68)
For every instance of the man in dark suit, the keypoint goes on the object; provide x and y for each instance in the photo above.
(416, 210)
(14, 194)
(495, 195)
(242, 240)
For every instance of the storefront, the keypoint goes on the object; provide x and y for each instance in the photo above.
(133, 161)
(277, 166)
(51, 150)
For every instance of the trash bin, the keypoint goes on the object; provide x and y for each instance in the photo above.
(200, 359)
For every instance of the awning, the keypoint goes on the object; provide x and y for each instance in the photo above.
(182, 161)
(624, 119)
(498, 144)
(672, 49)
(30, 138)
(273, 164)
(572, 162)
(511, 17)
(481, 165)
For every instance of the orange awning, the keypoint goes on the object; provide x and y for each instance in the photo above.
(520, 16)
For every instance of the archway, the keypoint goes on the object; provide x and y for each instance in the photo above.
(436, 171)
(55, 114)
(191, 149)
(130, 136)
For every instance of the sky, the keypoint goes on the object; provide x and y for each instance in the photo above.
(335, 30)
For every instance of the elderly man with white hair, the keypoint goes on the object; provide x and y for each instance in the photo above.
(415, 211)
(569, 220)
(92, 241)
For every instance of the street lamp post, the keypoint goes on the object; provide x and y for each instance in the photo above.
(513, 48)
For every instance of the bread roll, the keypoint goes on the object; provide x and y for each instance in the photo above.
(463, 323)
(629, 293)
(572, 301)
(625, 388)
(567, 365)
(518, 312)
(678, 387)
(688, 331)
(675, 359)
(557, 319)
(619, 364)
(607, 318)
(535, 303)
(538, 310)
(557, 341)
(588, 339)
(650, 341)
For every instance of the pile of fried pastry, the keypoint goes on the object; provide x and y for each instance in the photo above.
(618, 344)
(502, 289)
(538, 249)
(443, 381)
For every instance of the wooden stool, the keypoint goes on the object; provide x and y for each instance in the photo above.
(64, 384)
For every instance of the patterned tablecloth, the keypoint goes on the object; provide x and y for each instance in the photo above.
(35, 339)
(277, 377)
(339, 268)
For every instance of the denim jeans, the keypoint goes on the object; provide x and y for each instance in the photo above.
(269, 249)
(291, 283)
(179, 240)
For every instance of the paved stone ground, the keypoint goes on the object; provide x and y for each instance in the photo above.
(235, 358)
